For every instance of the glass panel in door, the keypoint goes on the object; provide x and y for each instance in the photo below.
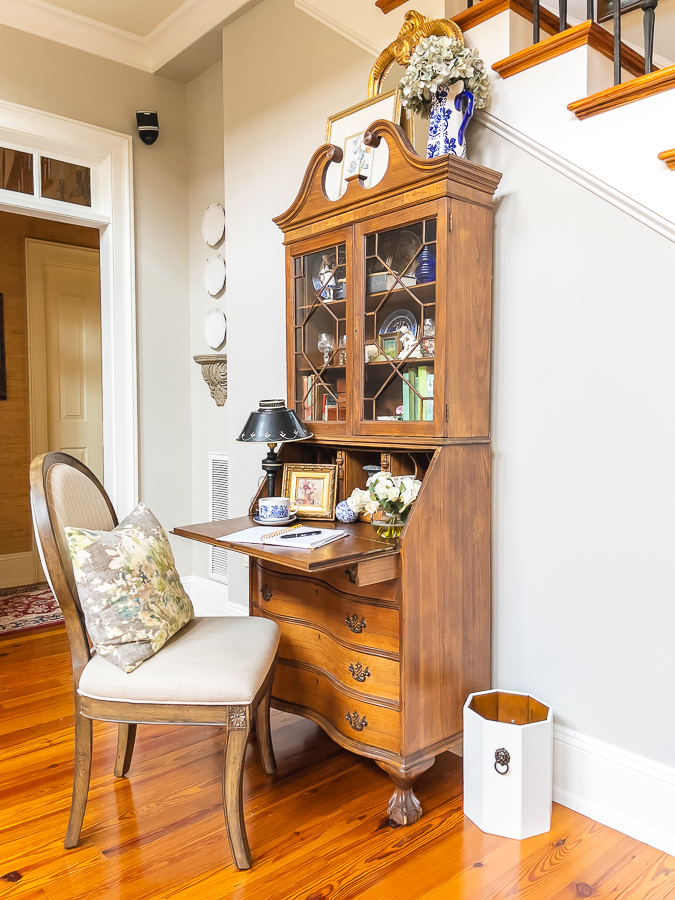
(320, 334)
(400, 323)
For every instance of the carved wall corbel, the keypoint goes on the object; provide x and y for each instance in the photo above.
(214, 373)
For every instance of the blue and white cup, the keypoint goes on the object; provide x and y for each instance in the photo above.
(276, 509)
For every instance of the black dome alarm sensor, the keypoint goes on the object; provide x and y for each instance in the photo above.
(148, 126)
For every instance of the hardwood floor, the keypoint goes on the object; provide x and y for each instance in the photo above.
(317, 828)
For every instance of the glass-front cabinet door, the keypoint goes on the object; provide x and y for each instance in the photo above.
(320, 297)
(400, 323)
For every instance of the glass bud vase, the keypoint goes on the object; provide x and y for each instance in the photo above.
(387, 525)
(450, 112)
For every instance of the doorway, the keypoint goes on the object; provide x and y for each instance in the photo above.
(50, 281)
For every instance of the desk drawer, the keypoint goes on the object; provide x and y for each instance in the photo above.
(314, 692)
(359, 671)
(309, 601)
(338, 579)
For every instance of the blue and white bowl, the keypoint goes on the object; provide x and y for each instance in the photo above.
(344, 513)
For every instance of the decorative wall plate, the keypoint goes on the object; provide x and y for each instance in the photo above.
(213, 224)
(214, 274)
(396, 319)
(215, 328)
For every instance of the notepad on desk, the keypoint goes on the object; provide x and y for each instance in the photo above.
(282, 537)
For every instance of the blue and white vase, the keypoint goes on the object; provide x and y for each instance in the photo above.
(450, 112)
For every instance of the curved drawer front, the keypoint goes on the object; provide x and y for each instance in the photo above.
(367, 723)
(361, 672)
(338, 579)
(346, 618)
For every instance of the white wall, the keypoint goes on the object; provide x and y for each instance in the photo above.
(41, 74)
(270, 135)
(582, 426)
(205, 179)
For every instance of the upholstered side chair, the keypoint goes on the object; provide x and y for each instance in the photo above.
(214, 671)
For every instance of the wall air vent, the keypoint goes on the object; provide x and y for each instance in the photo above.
(218, 505)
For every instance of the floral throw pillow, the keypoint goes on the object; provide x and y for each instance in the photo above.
(131, 596)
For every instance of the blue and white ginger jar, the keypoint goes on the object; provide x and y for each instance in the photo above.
(344, 513)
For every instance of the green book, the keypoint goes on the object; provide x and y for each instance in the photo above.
(406, 397)
(421, 385)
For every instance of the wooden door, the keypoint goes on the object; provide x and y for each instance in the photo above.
(64, 324)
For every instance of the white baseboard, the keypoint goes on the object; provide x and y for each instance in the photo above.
(210, 598)
(17, 569)
(616, 788)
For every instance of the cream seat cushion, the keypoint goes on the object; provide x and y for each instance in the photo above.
(210, 660)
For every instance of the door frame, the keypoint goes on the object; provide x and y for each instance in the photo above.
(37, 348)
(109, 156)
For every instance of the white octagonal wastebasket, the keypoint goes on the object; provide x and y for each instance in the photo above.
(508, 763)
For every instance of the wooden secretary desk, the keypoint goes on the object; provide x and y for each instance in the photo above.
(382, 642)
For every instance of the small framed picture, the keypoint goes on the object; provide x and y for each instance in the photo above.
(313, 487)
(390, 344)
(346, 129)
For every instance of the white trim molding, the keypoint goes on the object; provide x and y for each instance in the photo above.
(108, 155)
(619, 789)
(191, 21)
(621, 201)
(211, 598)
(17, 569)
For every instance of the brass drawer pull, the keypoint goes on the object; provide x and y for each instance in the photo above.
(266, 593)
(354, 624)
(357, 722)
(358, 672)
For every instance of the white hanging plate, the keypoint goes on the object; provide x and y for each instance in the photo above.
(214, 274)
(213, 224)
(215, 328)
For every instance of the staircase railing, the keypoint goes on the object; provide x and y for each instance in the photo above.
(649, 20)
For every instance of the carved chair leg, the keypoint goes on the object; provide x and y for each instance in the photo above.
(233, 777)
(126, 737)
(82, 771)
(264, 733)
(404, 807)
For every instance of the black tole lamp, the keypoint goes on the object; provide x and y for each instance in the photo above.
(270, 424)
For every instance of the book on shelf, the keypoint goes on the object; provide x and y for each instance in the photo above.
(406, 396)
(429, 405)
(418, 383)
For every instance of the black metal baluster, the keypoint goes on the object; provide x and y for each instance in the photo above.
(590, 10)
(535, 21)
(469, 4)
(649, 10)
(562, 7)
(617, 41)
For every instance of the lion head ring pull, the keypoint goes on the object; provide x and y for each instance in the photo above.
(502, 760)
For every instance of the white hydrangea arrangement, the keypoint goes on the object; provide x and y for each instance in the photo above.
(436, 61)
(394, 494)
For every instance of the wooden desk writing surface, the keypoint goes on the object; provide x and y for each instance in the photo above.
(360, 544)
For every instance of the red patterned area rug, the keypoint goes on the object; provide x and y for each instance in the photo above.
(25, 608)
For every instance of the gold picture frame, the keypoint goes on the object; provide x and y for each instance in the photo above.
(312, 487)
(347, 129)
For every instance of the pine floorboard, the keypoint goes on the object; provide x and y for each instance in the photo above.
(318, 829)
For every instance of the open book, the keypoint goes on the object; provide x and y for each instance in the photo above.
(275, 537)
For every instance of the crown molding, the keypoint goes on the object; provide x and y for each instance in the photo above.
(190, 22)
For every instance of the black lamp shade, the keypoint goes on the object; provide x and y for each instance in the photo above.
(273, 422)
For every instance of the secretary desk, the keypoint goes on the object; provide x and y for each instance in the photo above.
(382, 641)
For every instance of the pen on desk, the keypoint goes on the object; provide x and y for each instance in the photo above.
(298, 534)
